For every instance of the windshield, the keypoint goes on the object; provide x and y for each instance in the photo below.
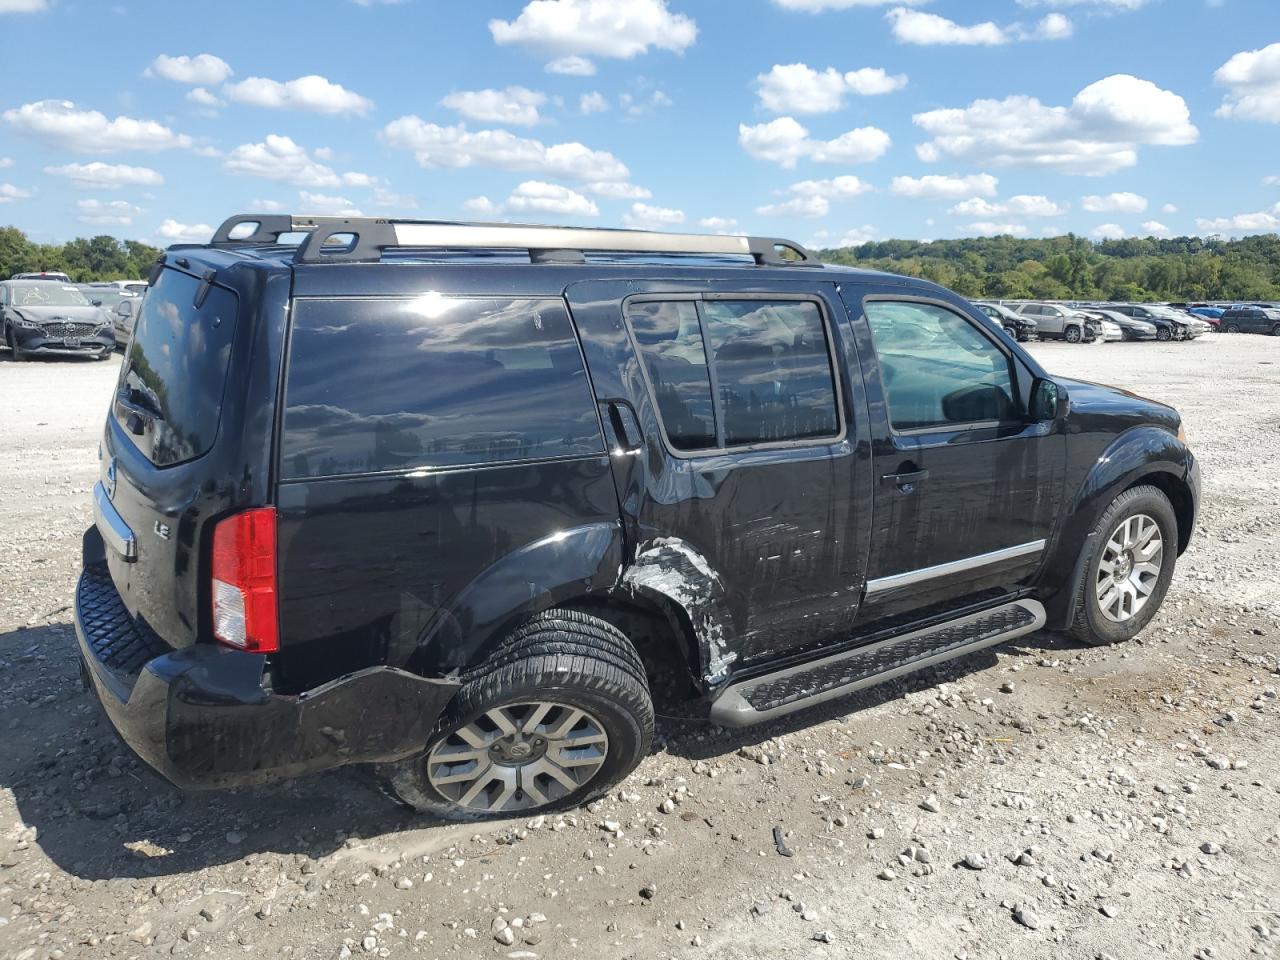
(47, 295)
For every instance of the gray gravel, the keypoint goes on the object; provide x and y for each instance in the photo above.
(1118, 803)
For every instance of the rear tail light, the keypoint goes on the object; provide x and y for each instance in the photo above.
(245, 614)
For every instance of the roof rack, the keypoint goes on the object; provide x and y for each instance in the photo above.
(363, 240)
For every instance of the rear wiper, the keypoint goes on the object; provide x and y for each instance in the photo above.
(136, 401)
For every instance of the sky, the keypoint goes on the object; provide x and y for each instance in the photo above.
(829, 122)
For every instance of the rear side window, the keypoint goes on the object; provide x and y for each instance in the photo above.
(173, 378)
(732, 373)
(381, 385)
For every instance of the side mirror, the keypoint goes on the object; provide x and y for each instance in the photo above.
(124, 308)
(1048, 401)
(96, 303)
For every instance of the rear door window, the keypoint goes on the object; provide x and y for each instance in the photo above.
(737, 372)
(169, 398)
(379, 385)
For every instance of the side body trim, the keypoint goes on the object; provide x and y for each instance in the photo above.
(881, 584)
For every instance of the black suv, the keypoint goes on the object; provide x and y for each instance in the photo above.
(447, 496)
(1251, 319)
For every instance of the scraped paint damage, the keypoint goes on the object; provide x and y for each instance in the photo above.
(676, 571)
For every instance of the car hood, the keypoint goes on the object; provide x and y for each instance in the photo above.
(1099, 400)
(47, 314)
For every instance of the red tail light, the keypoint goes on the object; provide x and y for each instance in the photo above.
(244, 581)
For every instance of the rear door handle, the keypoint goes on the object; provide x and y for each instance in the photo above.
(625, 424)
(905, 481)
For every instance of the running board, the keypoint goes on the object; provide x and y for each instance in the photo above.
(774, 694)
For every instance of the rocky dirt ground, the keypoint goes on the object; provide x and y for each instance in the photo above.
(1038, 800)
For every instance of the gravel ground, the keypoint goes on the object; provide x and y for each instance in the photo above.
(1037, 800)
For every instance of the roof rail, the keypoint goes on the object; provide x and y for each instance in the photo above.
(363, 239)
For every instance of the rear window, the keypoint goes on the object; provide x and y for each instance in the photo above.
(170, 395)
(383, 385)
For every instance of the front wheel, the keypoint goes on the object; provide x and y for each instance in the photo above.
(557, 716)
(1128, 575)
(1163, 335)
(1073, 335)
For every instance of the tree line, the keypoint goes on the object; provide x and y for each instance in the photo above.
(83, 259)
(1071, 267)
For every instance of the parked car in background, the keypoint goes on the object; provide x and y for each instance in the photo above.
(1169, 325)
(132, 286)
(48, 275)
(50, 318)
(1014, 324)
(1211, 314)
(1130, 328)
(1060, 322)
(1111, 331)
(120, 303)
(1252, 320)
(388, 501)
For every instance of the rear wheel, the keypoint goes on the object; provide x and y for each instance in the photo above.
(1073, 335)
(1232, 328)
(1275, 330)
(557, 716)
(1128, 575)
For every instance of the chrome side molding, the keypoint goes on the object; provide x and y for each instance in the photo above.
(893, 582)
(115, 532)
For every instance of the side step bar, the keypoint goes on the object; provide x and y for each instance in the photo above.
(775, 694)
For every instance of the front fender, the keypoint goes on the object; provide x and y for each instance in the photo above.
(1139, 453)
(568, 564)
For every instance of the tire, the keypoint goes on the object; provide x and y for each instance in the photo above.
(1072, 335)
(1094, 621)
(1275, 330)
(1163, 334)
(1232, 328)
(17, 354)
(555, 666)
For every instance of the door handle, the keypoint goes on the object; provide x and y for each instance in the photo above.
(625, 424)
(906, 482)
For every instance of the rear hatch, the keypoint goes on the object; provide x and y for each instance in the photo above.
(177, 454)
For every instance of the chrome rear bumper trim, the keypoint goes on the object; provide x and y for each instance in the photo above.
(111, 525)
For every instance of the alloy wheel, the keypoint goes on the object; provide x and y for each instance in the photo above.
(1130, 568)
(518, 757)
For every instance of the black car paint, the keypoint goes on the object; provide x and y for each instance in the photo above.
(424, 571)
(44, 331)
(1251, 320)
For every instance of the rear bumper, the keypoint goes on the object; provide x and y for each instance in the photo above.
(202, 717)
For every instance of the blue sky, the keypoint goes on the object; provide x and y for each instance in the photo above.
(826, 121)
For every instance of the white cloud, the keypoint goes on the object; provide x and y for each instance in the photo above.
(456, 146)
(937, 187)
(480, 205)
(1108, 231)
(854, 237)
(266, 206)
(1114, 203)
(811, 206)
(641, 216)
(515, 105)
(1022, 205)
(1169, 208)
(986, 228)
(1264, 221)
(535, 196)
(1099, 133)
(786, 140)
(572, 66)
(110, 176)
(9, 193)
(593, 102)
(929, 29)
(1252, 79)
(1155, 228)
(322, 204)
(819, 6)
(312, 93)
(60, 124)
(204, 69)
(202, 97)
(719, 224)
(23, 6)
(6, 163)
(382, 197)
(1119, 5)
(279, 158)
(798, 88)
(613, 29)
(175, 232)
(107, 212)
(617, 190)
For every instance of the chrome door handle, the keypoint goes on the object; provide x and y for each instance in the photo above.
(906, 482)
